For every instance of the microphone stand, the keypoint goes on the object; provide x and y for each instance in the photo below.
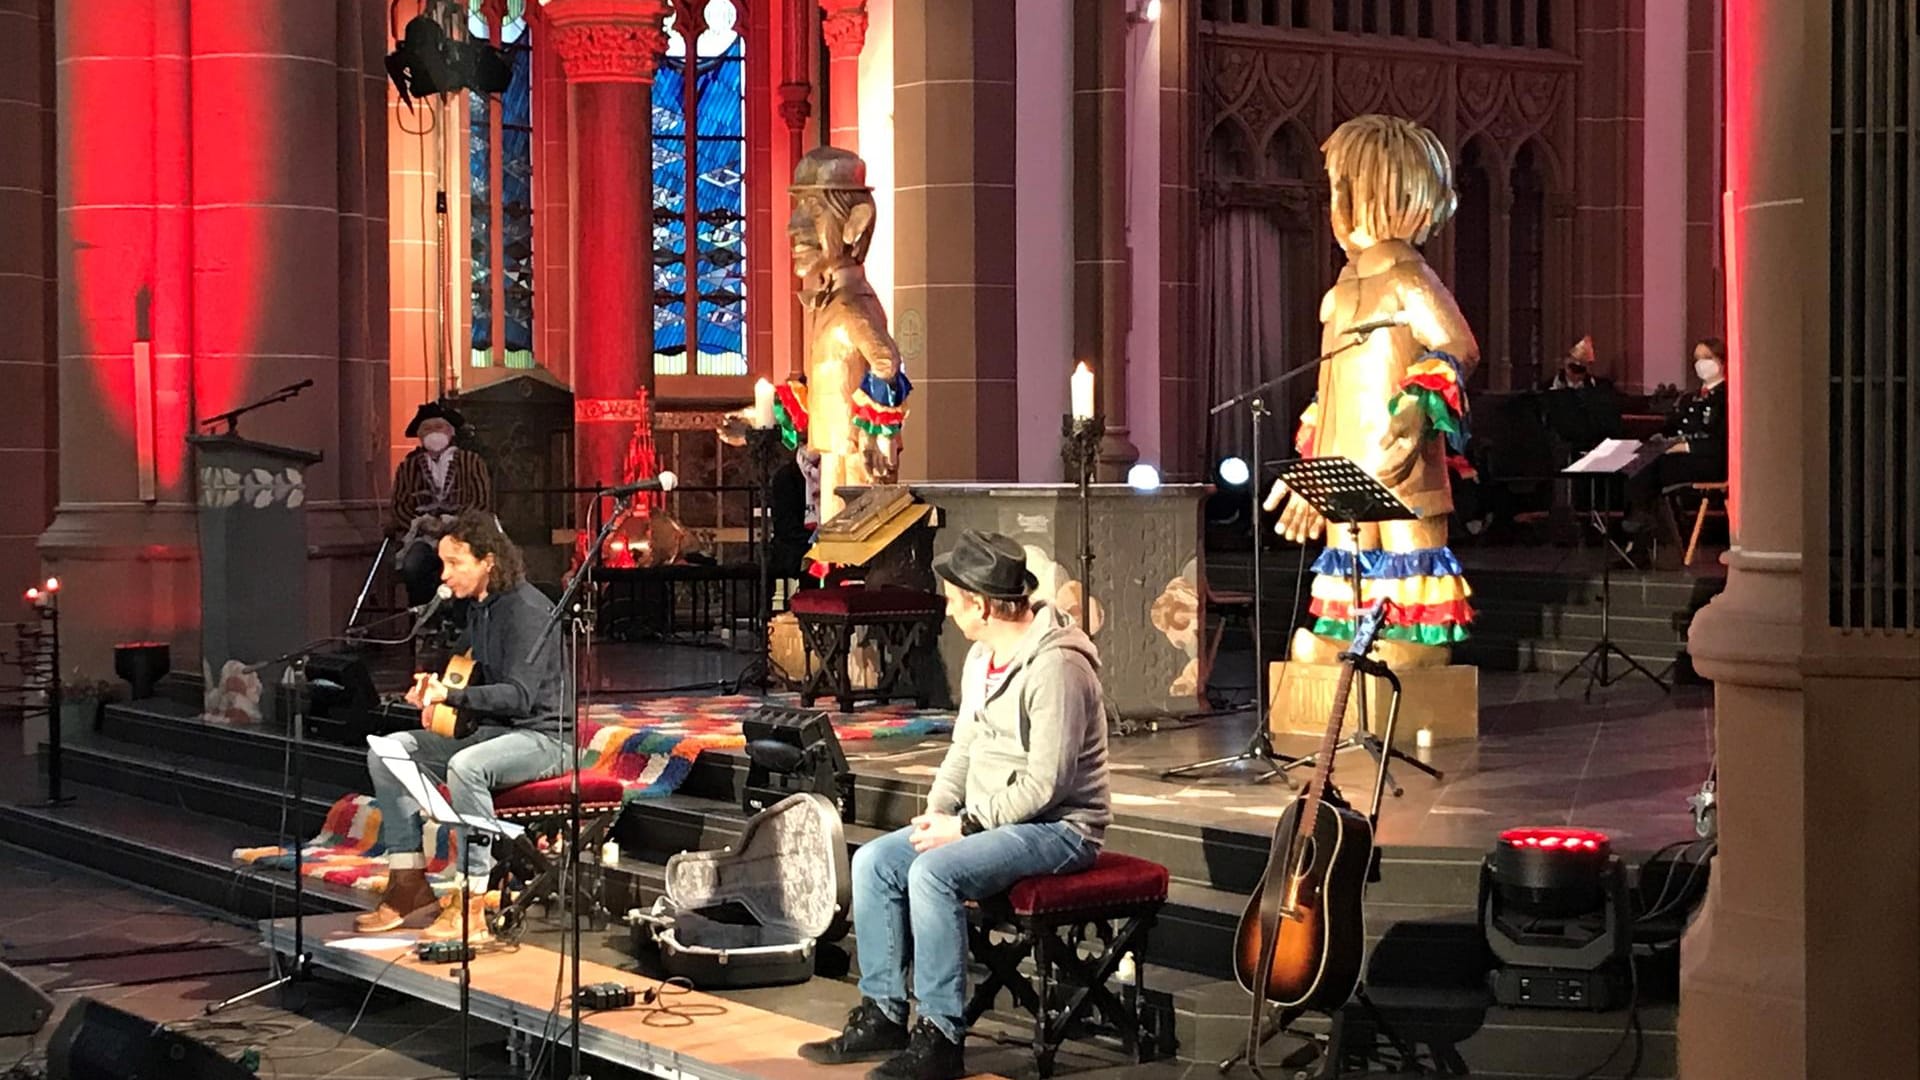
(571, 696)
(1260, 745)
(232, 417)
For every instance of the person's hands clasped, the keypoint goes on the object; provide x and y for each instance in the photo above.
(933, 829)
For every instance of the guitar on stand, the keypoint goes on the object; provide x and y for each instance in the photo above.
(1302, 937)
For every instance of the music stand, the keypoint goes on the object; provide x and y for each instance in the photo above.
(1344, 492)
(1622, 459)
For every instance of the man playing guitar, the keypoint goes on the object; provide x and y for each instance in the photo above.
(510, 713)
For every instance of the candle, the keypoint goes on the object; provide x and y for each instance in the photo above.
(1082, 383)
(1423, 738)
(763, 404)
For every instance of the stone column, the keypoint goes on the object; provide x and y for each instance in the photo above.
(1100, 274)
(844, 26)
(29, 422)
(1183, 378)
(1743, 991)
(954, 296)
(608, 49)
(1607, 143)
(209, 216)
(794, 97)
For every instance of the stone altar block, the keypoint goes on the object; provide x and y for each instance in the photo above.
(1444, 700)
(1148, 617)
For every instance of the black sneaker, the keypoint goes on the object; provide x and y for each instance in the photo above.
(930, 1056)
(869, 1035)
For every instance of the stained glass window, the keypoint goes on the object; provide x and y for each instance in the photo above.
(706, 200)
(513, 174)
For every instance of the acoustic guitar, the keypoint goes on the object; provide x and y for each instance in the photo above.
(444, 719)
(1300, 939)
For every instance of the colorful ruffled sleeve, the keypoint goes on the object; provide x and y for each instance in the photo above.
(790, 413)
(1432, 385)
(879, 406)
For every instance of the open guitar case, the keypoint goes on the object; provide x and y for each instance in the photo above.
(754, 913)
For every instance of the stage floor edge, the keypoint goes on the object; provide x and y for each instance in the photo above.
(514, 990)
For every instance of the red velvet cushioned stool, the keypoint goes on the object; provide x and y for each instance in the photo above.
(902, 621)
(1050, 917)
(541, 806)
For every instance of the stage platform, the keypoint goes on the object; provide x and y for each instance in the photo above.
(521, 989)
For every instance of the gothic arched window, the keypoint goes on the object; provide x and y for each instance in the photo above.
(500, 196)
(700, 290)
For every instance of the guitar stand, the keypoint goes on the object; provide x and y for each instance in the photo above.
(1365, 739)
(1321, 1057)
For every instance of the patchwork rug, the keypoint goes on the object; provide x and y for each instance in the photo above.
(648, 744)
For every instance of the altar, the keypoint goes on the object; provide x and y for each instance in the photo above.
(1148, 610)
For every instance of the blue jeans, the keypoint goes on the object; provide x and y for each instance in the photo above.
(897, 892)
(474, 768)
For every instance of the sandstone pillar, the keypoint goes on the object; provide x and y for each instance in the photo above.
(607, 49)
(1101, 286)
(844, 26)
(29, 428)
(954, 296)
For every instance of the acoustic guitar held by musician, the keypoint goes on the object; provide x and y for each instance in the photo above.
(1300, 939)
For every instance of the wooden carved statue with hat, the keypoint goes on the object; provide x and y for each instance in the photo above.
(432, 485)
(856, 390)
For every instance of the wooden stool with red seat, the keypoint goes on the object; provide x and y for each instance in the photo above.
(1119, 897)
(903, 622)
(538, 807)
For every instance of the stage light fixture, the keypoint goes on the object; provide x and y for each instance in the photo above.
(1554, 912)
(791, 751)
(427, 62)
(1233, 471)
(1144, 477)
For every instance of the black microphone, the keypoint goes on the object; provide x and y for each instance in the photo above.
(666, 481)
(426, 610)
(1398, 318)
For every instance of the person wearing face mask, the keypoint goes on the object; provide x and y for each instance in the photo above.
(433, 484)
(1696, 430)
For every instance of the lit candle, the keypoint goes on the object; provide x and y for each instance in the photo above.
(1082, 382)
(763, 404)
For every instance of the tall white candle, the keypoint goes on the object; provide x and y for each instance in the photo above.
(763, 404)
(1082, 383)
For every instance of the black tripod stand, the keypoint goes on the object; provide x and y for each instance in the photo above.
(1343, 492)
(1597, 661)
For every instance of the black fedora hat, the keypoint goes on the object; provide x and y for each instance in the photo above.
(434, 410)
(989, 564)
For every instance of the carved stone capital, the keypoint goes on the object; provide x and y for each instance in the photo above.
(796, 104)
(844, 26)
(608, 40)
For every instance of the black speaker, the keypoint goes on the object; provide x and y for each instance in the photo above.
(340, 698)
(100, 1042)
(24, 1009)
(790, 751)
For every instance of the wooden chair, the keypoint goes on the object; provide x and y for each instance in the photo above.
(1706, 489)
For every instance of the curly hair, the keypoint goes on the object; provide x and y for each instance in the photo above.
(481, 532)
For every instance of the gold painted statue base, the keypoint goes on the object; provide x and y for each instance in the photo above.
(1443, 700)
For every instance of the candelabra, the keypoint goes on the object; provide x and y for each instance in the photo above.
(1080, 449)
(765, 450)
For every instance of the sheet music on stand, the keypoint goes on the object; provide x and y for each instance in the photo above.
(1344, 492)
(1624, 457)
(427, 794)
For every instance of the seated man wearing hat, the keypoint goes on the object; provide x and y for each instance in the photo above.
(1022, 791)
(434, 483)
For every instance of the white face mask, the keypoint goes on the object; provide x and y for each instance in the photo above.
(436, 441)
(1708, 369)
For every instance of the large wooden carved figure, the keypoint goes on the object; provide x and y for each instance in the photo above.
(1394, 402)
(855, 392)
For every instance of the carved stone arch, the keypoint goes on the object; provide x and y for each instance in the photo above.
(1231, 77)
(1288, 152)
(1229, 152)
(1553, 173)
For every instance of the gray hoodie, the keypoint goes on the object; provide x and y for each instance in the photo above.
(1036, 750)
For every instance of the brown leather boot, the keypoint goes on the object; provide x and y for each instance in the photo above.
(447, 926)
(407, 902)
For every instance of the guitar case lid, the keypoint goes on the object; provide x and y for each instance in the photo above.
(789, 871)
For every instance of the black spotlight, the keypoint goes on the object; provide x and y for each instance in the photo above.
(1553, 909)
(791, 751)
(100, 1042)
(428, 62)
(341, 699)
